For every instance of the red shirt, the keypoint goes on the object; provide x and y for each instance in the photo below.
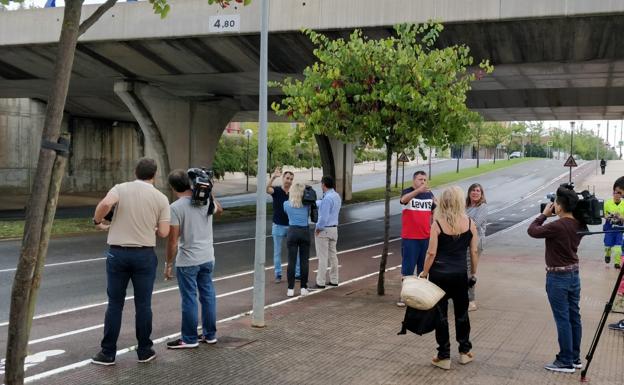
(416, 215)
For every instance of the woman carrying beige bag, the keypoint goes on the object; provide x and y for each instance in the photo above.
(451, 234)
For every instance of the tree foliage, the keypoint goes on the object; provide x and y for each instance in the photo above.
(392, 93)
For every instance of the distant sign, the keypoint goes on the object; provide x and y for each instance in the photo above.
(403, 158)
(549, 143)
(620, 143)
(570, 162)
(224, 23)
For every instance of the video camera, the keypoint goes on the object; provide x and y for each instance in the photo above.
(201, 184)
(589, 208)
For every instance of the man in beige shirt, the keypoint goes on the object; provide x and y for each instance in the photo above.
(141, 212)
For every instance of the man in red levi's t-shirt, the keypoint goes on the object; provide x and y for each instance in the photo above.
(418, 204)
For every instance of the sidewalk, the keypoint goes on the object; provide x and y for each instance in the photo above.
(347, 335)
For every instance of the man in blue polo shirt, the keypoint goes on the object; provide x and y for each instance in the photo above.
(280, 219)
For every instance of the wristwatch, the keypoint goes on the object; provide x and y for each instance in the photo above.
(96, 222)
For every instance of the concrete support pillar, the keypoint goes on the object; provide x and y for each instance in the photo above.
(178, 133)
(338, 159)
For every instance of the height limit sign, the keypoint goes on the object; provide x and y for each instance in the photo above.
(224, 23)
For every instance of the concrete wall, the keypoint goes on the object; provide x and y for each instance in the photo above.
(21, 122)
(103, 152)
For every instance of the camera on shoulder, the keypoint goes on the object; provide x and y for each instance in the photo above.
(589, 208)
(201, 184)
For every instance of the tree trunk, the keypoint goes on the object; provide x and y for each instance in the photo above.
(58, 170)
(386, 243)
(42, 202)
(495, 151)
(478, 151)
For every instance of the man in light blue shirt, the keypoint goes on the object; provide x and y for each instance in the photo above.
(326, 233)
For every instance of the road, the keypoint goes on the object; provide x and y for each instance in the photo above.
(73, 294)
(368, 181)
(360, 182)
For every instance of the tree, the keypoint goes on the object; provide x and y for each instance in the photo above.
(48, 176)
(496, 134)
(384, 93)
(476, 134)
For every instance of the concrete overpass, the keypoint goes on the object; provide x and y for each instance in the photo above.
(559, 59)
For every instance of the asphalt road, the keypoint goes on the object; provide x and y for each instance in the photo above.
(73, 294)
(369, 181)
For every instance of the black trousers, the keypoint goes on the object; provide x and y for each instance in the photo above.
(298, 240)
(455, 285)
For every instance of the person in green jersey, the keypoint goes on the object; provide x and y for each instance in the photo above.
(614, 213)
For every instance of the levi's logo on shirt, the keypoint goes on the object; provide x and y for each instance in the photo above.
(419, 205)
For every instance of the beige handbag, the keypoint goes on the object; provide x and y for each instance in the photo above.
(420, 293)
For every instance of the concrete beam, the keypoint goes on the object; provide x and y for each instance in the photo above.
(179, 133)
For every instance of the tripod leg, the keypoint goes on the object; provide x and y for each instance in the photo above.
(601, 324)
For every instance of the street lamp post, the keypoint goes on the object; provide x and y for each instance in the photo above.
(257, 316)
(248, 134)
(597, 144)
(571, 146)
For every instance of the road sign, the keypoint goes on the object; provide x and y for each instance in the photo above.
(403, 158)
(570, 162)
(620, 143)
(549, 143)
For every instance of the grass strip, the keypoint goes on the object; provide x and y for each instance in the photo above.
(437, 180)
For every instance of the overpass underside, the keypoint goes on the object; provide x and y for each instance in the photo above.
(183, 90)
(550, 68)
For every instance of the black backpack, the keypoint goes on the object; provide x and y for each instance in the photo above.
(309, 199)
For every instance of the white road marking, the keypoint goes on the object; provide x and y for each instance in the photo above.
(60, 264)
(523, 210)
(500, 219)
(172, 288)
(379, 256)
(82, 363)
(215, 243)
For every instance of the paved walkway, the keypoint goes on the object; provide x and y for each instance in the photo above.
(347, 335)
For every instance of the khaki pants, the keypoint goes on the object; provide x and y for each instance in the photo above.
(325, 243)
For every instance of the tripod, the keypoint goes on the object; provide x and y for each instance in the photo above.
(605, 314)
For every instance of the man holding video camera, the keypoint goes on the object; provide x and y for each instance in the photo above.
(191, 243)
(563, 285)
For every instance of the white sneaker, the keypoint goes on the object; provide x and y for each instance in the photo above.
(304, 291)
(290, 293)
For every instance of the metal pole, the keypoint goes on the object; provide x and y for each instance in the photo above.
(312, 167)
(571, 146)
(621, 124)
(257, 317)
(429, 162)
(247, 182)
(597, 144)
(403, 177)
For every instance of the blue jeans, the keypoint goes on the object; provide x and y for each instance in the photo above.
(191, 280)
(122, 265)
(279, 233)
(564, 294)
(413, 255)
